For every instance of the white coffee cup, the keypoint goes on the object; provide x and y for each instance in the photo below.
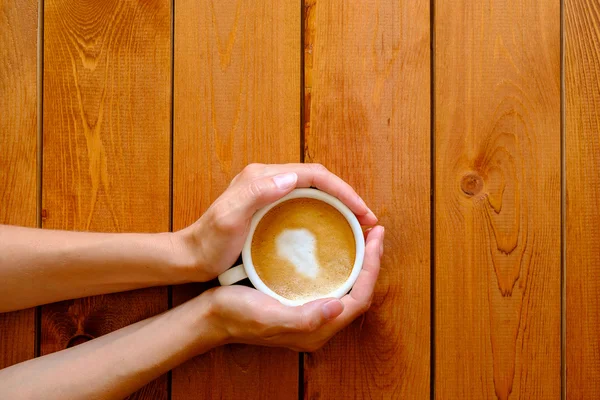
(247, 270)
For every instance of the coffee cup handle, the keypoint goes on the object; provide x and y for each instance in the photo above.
(233, 275)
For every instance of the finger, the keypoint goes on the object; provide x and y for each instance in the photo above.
(310, 316)
(367, 220)
(262, 191)
(359, 298)
(362, 290)
(315, 175)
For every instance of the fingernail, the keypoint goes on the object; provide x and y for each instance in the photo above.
(372, 213)
(285, 181)
(381, 245)
(332, 309)
(363, 204)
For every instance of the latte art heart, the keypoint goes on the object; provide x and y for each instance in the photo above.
(298, 246)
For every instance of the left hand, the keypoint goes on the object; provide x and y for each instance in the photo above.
(215, 241)
(239, 314)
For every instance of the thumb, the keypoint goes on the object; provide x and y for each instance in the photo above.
(264, 191)
(311, 316)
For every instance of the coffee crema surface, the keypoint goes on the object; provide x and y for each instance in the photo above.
(303, 248)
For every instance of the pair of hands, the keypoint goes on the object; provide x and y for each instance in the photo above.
(244, 315)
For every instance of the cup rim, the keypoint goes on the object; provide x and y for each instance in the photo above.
(339, 206)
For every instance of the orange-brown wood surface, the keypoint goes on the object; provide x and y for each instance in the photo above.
(444, 115)
(369, 123)
(582, 129)
(106, 146)
(18, 149)
(497, 199)
(237, 101)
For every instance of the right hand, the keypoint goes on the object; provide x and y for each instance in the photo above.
(214, 242)
(245, 315)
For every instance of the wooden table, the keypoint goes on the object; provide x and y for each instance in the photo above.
(470, 127)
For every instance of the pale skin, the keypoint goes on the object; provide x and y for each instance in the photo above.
(43, 266)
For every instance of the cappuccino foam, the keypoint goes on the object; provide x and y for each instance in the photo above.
(303, 248)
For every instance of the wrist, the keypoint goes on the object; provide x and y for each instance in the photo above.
(208, 321)
(188, 255)
(177, 266)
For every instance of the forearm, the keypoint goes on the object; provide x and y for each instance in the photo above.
(117, 364)
(42, 266)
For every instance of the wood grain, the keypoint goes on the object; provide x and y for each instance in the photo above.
(370, 124)
(18, 149)
(237, 101)
(582, 74)
(497, 199)
(107, 102)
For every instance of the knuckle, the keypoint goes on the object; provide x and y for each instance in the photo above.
(256, 189)
(307, 324)
(310, 325)
(319, 168)
(251, 170)
(365, 306)
(235, 179)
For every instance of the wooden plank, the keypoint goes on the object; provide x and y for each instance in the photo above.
(370, 123)
(237, 100)
(18, 149)
(107, 102)
(582, 74)
(497, 199)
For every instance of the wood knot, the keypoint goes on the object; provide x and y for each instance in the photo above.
(471, 184)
